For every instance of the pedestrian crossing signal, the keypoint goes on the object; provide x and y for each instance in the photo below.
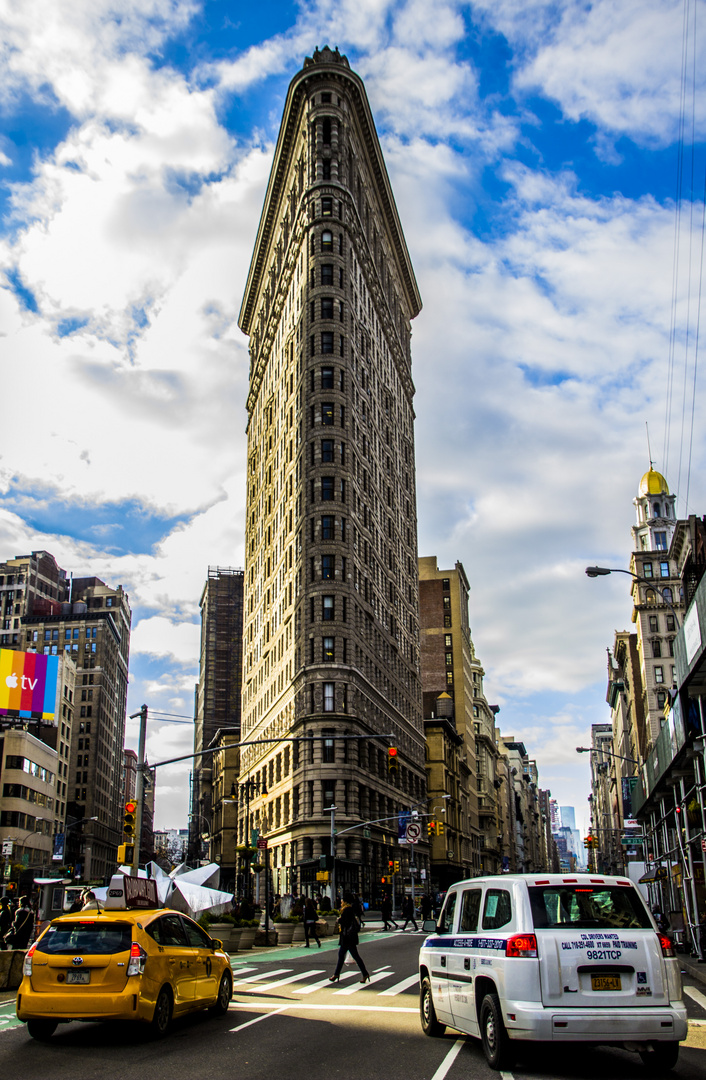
(126, 854)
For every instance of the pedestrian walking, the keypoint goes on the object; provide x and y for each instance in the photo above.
(6, 917)
(386, 912)
(408, 912)
(309, 918)
(358, 909)
(426, 907)
(20, 932)
(348, 939)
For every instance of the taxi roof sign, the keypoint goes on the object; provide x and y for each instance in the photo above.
(126, 892)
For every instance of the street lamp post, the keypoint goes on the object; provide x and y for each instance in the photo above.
(603, 571)
(250, 788)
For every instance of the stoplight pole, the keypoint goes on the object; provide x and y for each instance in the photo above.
(139, 788)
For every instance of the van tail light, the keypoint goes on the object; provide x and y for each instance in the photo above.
(521, 945)
(138, 956)
(667, 945)
(27, 965)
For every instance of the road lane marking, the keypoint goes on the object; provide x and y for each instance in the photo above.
(323, 982)
(361, 986)
(400, 987)
(290, 979)
(696, 995)
(310, 1006)
(448, 1060)
(257, 1019)
(262, 975)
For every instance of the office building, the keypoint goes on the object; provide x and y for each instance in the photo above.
(331, 620)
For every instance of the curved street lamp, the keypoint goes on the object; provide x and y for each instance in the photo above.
(597, 750)
(603, 571)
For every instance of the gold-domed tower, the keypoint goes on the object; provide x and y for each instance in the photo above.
(655, 508)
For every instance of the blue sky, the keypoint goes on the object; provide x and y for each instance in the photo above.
(534, 149)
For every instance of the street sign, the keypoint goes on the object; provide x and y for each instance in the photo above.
(262, 842)
(413, 832)
(366, 834)
(7, 847)
(322, 875)
(632, 841)
(703, 845)
(631, 823)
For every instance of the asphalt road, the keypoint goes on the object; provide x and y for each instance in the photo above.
(287, 1021)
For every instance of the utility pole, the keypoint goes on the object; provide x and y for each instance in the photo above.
(139, 788)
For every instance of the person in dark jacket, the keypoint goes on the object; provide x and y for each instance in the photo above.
(426, 907)
(386, 912)
(6, 917)
(22, 926)
(348, 940)
(309, 918)
(408, 912)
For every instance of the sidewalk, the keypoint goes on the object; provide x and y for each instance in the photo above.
(693, 968)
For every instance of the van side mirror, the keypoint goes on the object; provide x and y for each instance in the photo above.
(429, 926)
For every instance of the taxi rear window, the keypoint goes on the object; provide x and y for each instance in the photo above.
(86, 938)
(584, 907)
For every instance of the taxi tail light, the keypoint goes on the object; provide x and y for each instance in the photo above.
(521, 945)
(667, 945)
(138, 956)
(27, 965)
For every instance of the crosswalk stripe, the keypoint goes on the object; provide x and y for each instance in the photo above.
(289, 979)
(399, 987)
(361, 986)
(696, 995)
(324, 982)
(262, 975)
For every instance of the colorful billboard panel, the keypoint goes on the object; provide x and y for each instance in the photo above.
(28, 683)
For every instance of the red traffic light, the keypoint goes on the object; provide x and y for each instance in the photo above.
(392, 751)
(130, 806)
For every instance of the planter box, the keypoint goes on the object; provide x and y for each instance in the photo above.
(285, 932)
(247, 937)
(298, 932)
(262, 940)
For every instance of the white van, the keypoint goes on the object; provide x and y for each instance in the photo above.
(556, 958)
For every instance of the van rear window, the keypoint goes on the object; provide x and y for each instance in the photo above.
(86, 938)
(585, 907)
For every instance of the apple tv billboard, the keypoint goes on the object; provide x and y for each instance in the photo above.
(28, 683)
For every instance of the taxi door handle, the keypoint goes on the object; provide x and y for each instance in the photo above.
(466, 963)
(443, 961)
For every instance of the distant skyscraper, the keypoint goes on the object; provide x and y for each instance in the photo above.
(218, 696)
(331, 622)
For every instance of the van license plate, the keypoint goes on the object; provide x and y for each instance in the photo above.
(78, 976)
(601, 982)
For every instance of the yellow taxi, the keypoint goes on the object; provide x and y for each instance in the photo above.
(143, 963)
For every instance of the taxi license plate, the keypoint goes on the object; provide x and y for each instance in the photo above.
(605, 982)
(78, 976)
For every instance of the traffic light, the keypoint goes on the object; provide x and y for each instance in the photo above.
(439, 828)
(326, 862)
(11, 888)
(397, 866)
(130, 819)
(126, 854)
(393, 765)
(431, 828)
(588, 842)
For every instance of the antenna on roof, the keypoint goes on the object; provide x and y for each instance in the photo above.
(649, 451)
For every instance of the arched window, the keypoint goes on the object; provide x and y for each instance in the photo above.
(657, 512)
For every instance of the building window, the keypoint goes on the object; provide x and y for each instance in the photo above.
(447, 621)
(328, 651)
(657, 512)
(659, 675)
(327, 413)
(449, 659)
(326, 240)
(447, 603)
(326, 175)
(664, 569)
(328, 608)
(447, 640)
(661, 541)
(670, 622)
(328, 525)
(327, 378)
(445, 584)
(328, 697)
(449, 678)
(657, 648)
(667, 595)
(661, 698)
(327, 204)
(476, 710)
(647, 569)
(327, 567)
(326, 131)
(326, 342)
(654, 624)
(327, 450)
(327, 488)
(327, 313)
(327, 273)
(329, 751)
